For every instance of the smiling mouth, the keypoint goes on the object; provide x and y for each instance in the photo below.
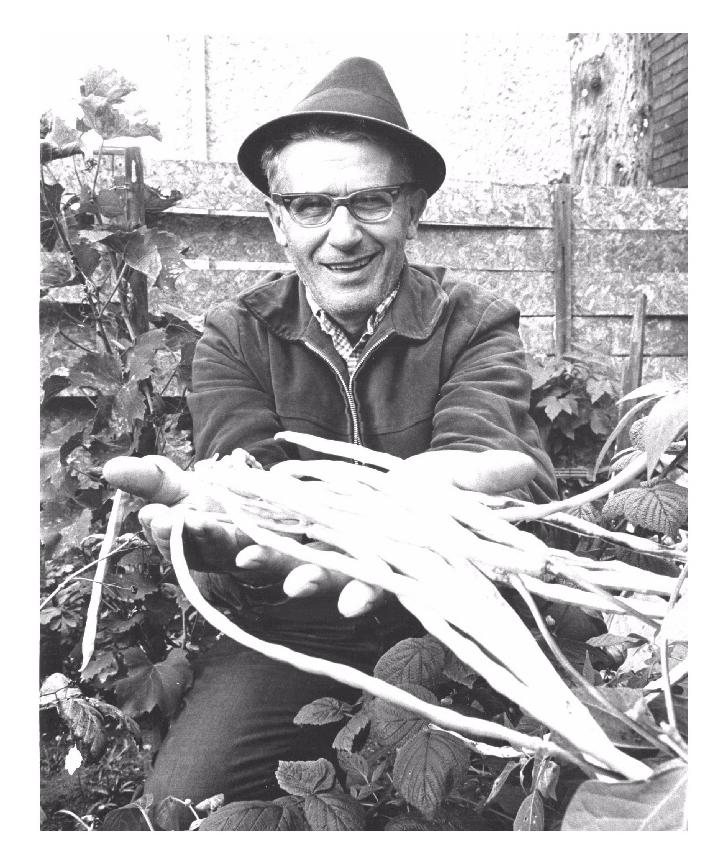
(353, 265)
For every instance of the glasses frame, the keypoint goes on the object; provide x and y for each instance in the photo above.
(287, 199)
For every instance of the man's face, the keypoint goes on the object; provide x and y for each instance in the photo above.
(348, 266)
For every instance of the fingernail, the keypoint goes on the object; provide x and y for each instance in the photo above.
(296, 589)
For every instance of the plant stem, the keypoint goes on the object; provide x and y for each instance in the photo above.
(581, 680)
(537, 511)
(124, 549)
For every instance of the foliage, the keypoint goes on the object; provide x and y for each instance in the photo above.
(113, 383)
(573, 402)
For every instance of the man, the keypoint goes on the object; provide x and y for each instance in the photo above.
(355, 345)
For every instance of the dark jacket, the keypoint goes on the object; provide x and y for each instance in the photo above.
(444, 371)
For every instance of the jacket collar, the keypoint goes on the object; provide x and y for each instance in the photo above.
(280, 304)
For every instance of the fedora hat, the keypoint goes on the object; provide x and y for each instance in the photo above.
(357, 95)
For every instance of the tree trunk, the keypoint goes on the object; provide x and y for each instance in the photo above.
(610, 109)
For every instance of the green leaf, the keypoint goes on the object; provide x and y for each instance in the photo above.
(334, 811)
(294, 806)
(427, 767)
(667, 420)
(305, 777)
(623, 699)
(101, 667)
(392, 724)
(250, 816)
(456, 670)
(87, 257)
(600, 422)
(56, 274)
(344, 740)
(148, 685)
(170, 250)
(656, 388)
(598, 387)
(500, 780)
(142, 254)
(631, 641)
(127, 818)
(552, 406)
(100, 372)
(324, 710)
(140, 357)
(531, 814)
(172, 814)
(412, 660)
(85, 724)
(662, 507)
(656, 804)
(129, 405)
(545, 776)
(63, 527)
(50, 197)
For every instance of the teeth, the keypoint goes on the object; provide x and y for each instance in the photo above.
(350, 266)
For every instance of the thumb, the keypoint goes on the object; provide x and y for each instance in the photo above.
(153, 478)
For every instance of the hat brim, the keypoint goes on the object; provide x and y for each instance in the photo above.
(429, 164)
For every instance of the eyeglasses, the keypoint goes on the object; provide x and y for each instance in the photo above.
(371, 205)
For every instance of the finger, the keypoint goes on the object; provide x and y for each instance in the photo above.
(159, 525)
(310, 580)
(261, 557)
(357, 598)
(146, 516)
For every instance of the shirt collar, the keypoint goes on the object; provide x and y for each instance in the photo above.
(372, 321)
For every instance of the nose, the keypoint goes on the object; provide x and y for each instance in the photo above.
(343, 230)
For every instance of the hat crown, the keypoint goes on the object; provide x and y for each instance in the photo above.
(361, 86)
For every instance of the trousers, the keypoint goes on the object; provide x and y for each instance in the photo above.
(236, 722)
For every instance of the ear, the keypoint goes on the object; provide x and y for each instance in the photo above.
(275, 219)
(416, 202)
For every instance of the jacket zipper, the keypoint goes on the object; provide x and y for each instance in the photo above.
(356, 434)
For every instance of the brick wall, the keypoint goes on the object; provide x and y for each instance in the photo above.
(669, 68)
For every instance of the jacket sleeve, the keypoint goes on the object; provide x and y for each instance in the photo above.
(231, 404)
(484, 402)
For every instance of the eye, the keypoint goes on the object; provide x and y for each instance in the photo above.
(372, 202)
(312, 205)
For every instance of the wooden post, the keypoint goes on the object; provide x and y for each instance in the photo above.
(633, 368)
(562, 239)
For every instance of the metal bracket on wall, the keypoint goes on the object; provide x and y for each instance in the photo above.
(562, 250)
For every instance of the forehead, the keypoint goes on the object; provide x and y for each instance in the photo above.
(335, 166)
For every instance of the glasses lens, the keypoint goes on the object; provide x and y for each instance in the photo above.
(371, 205)
(310, 209)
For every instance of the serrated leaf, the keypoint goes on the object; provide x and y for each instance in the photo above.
(249, 816)
(140, 358)
(211, 804)
(623, 699)
(552, 406)
(412, 660)
(101, 372)
(56, 274)
(636, 434)
(656, 804)
(391, 724)
(456, 670)
(85, 724)
(613, 508)
(334, 811)
(324, 710)
(102, 666)
(50, 197)
(531, 814)
(55, 688)
(668, 418)
(600, 422)
(294, 805)
(344, 740)
(87, 257)
(662, 507)
(305, 777)
(427, 767)
(142, 254)
(148, 685)
(129, 405)
(355, 766)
